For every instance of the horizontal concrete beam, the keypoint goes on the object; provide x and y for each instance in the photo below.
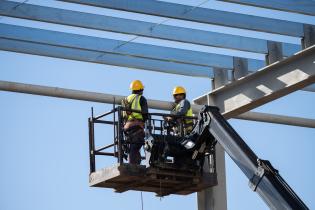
(154, 104)
(98, 50)
(194, 59)
(202, 15)
(275, 118)
(141, 28)
(104, 58)
(116, 46)
(265, 85)
(306, 7)
(79, 95)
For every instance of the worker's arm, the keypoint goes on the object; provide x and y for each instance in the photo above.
(144, 107)
(184, 107)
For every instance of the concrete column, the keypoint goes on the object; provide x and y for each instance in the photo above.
(240, 67)
(220, 77)
(309, 36)
(274, 52)
(215, 198)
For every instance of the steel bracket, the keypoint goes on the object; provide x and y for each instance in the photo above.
(264, 167)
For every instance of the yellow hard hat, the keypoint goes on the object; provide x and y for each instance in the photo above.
(179, 90)
(136, 85)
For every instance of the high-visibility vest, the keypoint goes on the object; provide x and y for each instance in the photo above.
(189, 113)
(134, 99)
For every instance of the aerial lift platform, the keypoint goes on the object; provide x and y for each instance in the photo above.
(161, 177)
(165, 177)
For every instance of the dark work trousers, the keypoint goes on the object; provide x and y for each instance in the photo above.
(135, 155)
(135, 136)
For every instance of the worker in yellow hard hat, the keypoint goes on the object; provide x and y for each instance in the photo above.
(182, 108)
(134, 120)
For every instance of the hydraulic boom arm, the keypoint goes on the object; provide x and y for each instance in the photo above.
(264, 179)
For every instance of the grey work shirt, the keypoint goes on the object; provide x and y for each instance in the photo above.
(183, 109)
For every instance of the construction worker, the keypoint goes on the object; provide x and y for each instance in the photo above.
(134, 121)
(182, 108)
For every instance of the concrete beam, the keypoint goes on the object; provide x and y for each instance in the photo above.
(110, 98)
(99, 50)
(104, 58)
(274, 118)
(78, 95)
(265, 85)
(141, 28)
(202, 15)
(310, 88)
(195, 59)
(306, 7)
(116, 46)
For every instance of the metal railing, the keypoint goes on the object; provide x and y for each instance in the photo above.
(154, 125)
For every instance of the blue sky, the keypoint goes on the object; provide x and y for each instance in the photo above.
(44, 141)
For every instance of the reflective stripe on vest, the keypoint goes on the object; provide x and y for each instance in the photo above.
(135, 99)
(189, 113)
